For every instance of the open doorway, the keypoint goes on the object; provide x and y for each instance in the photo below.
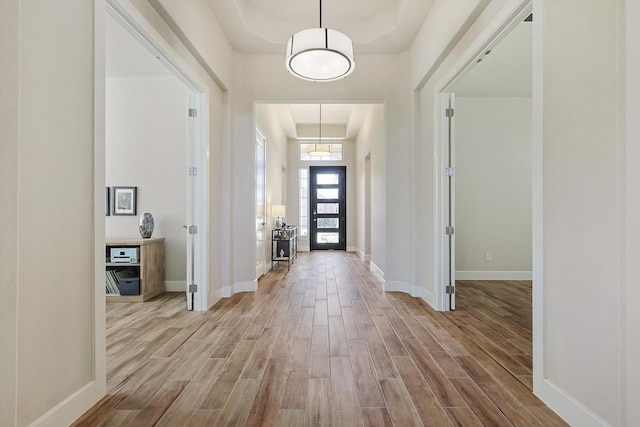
(155, 133)
(488, 193)
(492, 185)
(350, 135)
(486, 150)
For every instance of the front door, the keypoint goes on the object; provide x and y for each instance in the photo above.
(328, 228)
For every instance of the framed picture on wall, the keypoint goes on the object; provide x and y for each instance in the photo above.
(124, 200)
(107, 205)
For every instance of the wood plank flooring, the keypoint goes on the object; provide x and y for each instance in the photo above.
(322, 345)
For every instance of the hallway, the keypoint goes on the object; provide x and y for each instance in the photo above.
(322, 345)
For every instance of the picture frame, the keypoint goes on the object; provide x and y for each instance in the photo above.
(107, 199)
(124, 200)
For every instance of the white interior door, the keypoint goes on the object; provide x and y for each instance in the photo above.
(192, 229)
(450, 203)
(197, 204)
(261, 204)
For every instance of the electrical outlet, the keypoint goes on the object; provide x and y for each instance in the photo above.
(487, 257)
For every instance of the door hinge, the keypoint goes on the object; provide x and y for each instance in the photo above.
(193, 112)
(193, 288)
(449, 171)
(449, 230)
(193, 171)
(451, 289)
(449, 112)
(193, 229)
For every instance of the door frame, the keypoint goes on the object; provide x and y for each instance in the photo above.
(443, 210)
(342, 213)
(149, 38)
(259, 135)
(495, 31)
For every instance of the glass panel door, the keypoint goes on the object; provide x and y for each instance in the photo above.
(328, 207)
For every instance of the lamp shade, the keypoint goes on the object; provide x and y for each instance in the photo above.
(278, 211)
(320, 55)
(319, 150)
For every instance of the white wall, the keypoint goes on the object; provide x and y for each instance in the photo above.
(631, 156)
(583, 293)
(146, 146)
(493, 188)
(47, 262)
(371, 231)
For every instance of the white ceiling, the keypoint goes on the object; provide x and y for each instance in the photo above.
(506, 71)
(346, 118)
(374, 26)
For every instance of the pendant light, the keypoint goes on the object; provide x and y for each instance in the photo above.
(320, 54)
(319, 150)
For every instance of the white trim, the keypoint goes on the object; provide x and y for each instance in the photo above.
(408, 288)
(373, 267)
(352, 249)
(425, 295)
(567, 407)
(175, 285)
(67, 411)
(79, 402)
(247, 286)
(363, 257)
(397, 286)
(493, 275)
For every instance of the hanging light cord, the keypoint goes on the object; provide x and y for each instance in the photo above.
(320, 13)
(320, 125)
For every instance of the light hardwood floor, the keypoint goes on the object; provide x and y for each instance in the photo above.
(323, 345)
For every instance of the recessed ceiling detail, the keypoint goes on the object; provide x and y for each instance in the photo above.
(375, 26)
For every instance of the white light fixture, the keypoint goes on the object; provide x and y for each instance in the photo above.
(319, 149)
(320, 54)
(278, 212)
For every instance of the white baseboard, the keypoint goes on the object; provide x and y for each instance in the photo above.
(373, 267)
(351, 249)
(396, 286)
(224, 292)
(365, 258)
(408, 288)
(570, 410)
(425, 295)
(493, 275)
(70, 409)
(175, 286)
(248, 286)
(228, 291)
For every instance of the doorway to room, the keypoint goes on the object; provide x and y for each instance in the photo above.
(155, 113)
(328, 207)
(487, 158)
